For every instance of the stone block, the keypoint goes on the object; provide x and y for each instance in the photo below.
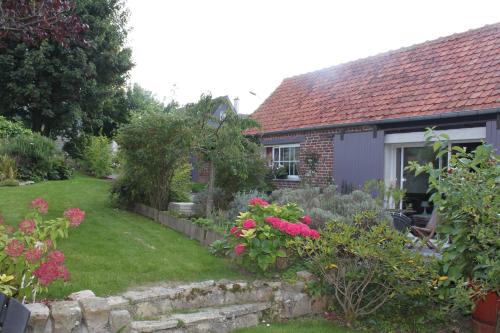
(39, 317)
(95, 312)
(118, 303)
(66, 316)
(305, 276)
(81, 295)
(120, 320)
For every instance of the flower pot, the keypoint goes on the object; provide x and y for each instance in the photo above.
(485, 316)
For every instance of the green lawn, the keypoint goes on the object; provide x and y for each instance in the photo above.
(297, 326)
(113, 249)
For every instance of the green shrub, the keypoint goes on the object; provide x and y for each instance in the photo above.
(324, 204)
(181, 184)
(467, 194)
(97, 156)
(36, 157)
(8, 170)
(198, 187)
(9, 182)
(200, 201)
(240, 203)
(264, 237)
(10, 129)
(152, 147)
(364, 265)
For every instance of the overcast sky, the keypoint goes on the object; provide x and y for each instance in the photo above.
(183, 48)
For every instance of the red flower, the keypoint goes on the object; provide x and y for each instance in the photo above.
(75, 216)
(14, 248)
(239, 248)
(49, 271)
(306, 219)
(27, 226)
(56, 256)
(258, 201)
(40, 205)
(249, 224)
(314, 234)
(33, 255)
(292, 229)
(235, 231)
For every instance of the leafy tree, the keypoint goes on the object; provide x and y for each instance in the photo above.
(31, 21)
(141, 101)
(72, 88)
(220, 139)
(153, 147)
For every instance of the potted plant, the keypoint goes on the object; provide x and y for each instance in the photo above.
(467, 192)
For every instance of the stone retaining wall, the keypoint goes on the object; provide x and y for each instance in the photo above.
(209, 306)
(193, 231)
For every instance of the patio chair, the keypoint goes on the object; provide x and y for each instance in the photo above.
(426, 233)
(15, 316)
(401, 222)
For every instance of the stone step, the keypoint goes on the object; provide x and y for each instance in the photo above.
(219, 319)
(161, 300)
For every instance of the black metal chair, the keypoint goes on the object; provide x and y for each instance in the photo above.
(401, 222)
(14, 316)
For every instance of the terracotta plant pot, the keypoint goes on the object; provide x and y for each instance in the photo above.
(485, 316)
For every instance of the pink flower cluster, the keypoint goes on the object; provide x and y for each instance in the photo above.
(258, 201)
(239, 248)
(40, 205)
(14, 248)
(75, 216)
(292, 229)
(52, 269)
(33, 255)
(249, 224)
(235, 231)
(27, 226)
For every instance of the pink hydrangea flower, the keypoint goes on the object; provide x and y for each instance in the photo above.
(33, 255)
(258, 201)
(40, 205)
(49, 271)
(292, 229)
(56, 256)
(235, 231)
(306, 219)
(239, 248)
(249, 224)
(14, 248)
(314, 234)
(75, 216)
(27, 226)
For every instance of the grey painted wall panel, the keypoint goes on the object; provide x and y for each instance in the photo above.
(357, 158)
(493, 134)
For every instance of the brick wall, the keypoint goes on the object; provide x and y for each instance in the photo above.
(321, 143)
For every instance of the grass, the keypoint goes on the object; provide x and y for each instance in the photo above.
(299, 326)
(113, 249)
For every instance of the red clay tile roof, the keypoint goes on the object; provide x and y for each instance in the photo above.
(460, 72)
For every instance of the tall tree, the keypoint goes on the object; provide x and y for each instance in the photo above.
(74, 87)
(31, 21)
(219, 138)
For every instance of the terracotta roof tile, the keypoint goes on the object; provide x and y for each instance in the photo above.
(460, 72)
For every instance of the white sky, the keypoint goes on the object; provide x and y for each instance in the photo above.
(231, 47)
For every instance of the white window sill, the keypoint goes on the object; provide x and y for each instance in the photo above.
(288, 179)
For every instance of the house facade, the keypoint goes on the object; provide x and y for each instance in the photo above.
(366, 119)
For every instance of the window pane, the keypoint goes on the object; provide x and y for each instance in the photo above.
(294, 169)
(285, 154)
(297, 152)
(276, 154)
(287, 166)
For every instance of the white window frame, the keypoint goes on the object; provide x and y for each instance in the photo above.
(417, 139)
(296, 160)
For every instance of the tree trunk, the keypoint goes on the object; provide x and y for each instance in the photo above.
(210, 191)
